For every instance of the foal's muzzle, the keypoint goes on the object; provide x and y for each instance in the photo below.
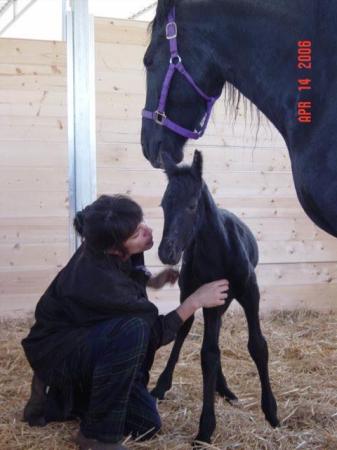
(168, 252)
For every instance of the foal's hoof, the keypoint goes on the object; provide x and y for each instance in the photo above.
(233, 401)
(274, 422)
(227, 394)
(158, 393)
(199, 443)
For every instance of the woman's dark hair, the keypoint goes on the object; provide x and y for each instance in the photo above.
(108, 222)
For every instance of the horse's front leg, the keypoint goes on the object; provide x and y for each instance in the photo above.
(210, 357)
(258, 349)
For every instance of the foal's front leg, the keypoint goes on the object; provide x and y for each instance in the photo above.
(210, 357)
(164, 382)
(258, 349)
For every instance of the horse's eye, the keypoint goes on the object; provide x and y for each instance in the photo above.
(148, 61)
(192, 207)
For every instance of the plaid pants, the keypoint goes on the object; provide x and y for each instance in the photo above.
(108, 379)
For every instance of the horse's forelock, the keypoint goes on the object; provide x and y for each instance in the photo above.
(163, 9)
(158, 18)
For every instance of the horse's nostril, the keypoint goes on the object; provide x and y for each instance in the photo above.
(166, 248)
(169, 244)
(160, 160)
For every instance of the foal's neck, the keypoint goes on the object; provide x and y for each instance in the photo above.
(211, 232)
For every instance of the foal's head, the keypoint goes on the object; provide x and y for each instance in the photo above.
(184, 105)
(183, 210)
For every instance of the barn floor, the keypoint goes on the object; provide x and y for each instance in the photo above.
(303, 369)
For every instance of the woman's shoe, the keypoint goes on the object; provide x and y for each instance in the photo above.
(92, 444)
(33, 412)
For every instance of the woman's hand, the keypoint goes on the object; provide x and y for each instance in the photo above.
(166, 276)
(208, 295)
(211, 294)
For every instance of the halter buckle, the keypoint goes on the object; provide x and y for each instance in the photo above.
(174, 30)
(159, 117)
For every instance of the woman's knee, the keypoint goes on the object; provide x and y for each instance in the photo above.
(131, 333)
(137, 331)
(118, 336)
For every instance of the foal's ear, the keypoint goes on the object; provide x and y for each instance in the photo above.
(197, 163)
(170, 166)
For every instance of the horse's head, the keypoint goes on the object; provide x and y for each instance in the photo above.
(182, 207)
(182, 40)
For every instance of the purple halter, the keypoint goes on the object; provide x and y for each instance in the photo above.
(159, 115)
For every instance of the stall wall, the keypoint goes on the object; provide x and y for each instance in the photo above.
(33, 168)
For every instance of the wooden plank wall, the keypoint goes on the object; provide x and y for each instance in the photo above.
(250, 177)
(33, 166)
(253, 179)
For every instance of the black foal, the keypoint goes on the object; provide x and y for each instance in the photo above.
(215, 244)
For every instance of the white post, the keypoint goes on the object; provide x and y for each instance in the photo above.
(64, 19)
(81, 111)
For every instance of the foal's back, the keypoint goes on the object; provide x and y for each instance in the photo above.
(240, 235)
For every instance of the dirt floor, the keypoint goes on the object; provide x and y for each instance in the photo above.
(303, 371)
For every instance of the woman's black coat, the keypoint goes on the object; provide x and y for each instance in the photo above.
(92, 287)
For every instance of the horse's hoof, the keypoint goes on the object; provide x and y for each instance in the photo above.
(158, 393)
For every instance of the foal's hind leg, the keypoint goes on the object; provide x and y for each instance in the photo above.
(222, 388)
(164, 382)
(221, 383)
(258, 350)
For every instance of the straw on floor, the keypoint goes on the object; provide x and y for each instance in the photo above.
(303, 371)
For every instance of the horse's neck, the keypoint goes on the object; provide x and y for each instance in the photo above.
(260, 46)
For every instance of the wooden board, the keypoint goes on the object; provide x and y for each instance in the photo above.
(28, 51)
(43, 230)
(43, 129)
(21, 178)
(34, 154)
(120, 31)
(230, 159)
(51, 255)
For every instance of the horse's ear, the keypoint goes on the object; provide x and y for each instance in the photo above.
(197, 163)
(163, 8)
(170, 166)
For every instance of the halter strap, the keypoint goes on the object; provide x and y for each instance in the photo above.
(159, 116)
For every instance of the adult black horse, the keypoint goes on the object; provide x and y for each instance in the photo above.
(281, 54)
